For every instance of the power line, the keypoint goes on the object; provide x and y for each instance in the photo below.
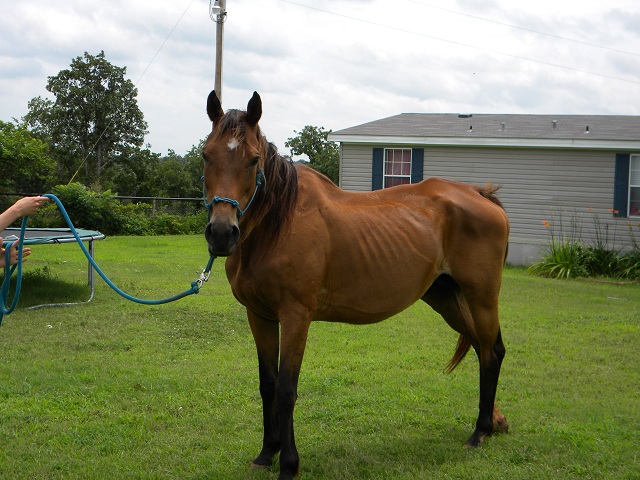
(461, 44)
(504, 24)
(86, 157)
(164, 42)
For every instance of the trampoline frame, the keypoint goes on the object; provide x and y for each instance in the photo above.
(43, 236)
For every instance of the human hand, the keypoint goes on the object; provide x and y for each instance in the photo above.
(29, 205)
(13, 254)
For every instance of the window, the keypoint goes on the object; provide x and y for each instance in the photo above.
(397, 166)
(634, 186)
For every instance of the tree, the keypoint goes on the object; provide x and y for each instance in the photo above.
(94, 117)
(324, 155)
(148, 174)
(24, 161)
(170, 178)
(193, 165)
(132, 174)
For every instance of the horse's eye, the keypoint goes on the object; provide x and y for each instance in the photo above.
(255, 160)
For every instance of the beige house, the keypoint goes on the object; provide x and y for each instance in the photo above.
(578, 174)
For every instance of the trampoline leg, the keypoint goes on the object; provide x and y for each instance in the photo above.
(90, 280)
(90, 272)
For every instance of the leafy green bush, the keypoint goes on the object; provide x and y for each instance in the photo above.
(630, 264)
(165, 224)
(562, 259)
(567, 256)
(133, 219)
(104, 212)
(194, 224)
(601, 262)
(88, 209)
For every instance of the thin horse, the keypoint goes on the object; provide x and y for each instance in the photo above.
(301, 249)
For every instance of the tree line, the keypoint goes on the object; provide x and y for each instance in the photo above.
(91, 133)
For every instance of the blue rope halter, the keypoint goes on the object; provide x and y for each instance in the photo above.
(260, 180)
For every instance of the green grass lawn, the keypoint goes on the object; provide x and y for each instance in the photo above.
(114, 389)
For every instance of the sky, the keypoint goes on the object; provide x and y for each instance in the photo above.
(332, 63)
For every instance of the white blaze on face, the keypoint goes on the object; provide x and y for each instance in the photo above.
(233, 144)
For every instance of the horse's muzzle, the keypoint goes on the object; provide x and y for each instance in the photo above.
(222, 237)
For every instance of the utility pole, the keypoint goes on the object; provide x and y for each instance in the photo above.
(219, 11)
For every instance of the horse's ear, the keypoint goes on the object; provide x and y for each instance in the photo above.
(214, 107)
(254, 110)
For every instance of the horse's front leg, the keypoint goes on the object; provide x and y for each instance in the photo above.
(293, 342)
(266, 336)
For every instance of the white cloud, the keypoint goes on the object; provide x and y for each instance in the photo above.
(354, 62)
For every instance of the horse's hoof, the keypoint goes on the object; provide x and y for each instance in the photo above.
(256, 466)
(287, 476)
(475, 440)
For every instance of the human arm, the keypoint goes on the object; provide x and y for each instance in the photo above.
(24, 207)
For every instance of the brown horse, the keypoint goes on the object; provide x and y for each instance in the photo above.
(301, 249)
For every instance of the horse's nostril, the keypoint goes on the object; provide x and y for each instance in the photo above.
(208, 232)
(235, 234)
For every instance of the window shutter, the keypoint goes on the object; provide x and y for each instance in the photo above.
(417, 163)
(621, 185)
(377, 168)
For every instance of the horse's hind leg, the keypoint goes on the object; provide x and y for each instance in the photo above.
(445, 297)
(490, 352)
(478, 327)
(266, 336)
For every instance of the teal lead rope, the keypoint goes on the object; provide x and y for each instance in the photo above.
(4, 290)
(8, 271)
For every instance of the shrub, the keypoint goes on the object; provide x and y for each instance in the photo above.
(105, 213)
(88, 209)
(562, 259)
(601, 262)
(194, 224)
(567, 256)
(133, 219)
(630, 265)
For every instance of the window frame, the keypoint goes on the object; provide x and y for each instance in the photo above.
(401, 176)
(633, 158)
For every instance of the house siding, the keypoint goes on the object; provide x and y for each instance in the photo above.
(356, 167)
(567, 188)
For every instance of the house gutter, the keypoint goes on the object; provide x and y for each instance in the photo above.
(470, 141)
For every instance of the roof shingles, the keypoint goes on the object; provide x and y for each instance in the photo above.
(566, 127)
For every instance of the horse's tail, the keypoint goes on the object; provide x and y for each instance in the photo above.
(461, 351)
(489, 191)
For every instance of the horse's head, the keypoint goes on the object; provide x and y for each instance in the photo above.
(234, 156)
